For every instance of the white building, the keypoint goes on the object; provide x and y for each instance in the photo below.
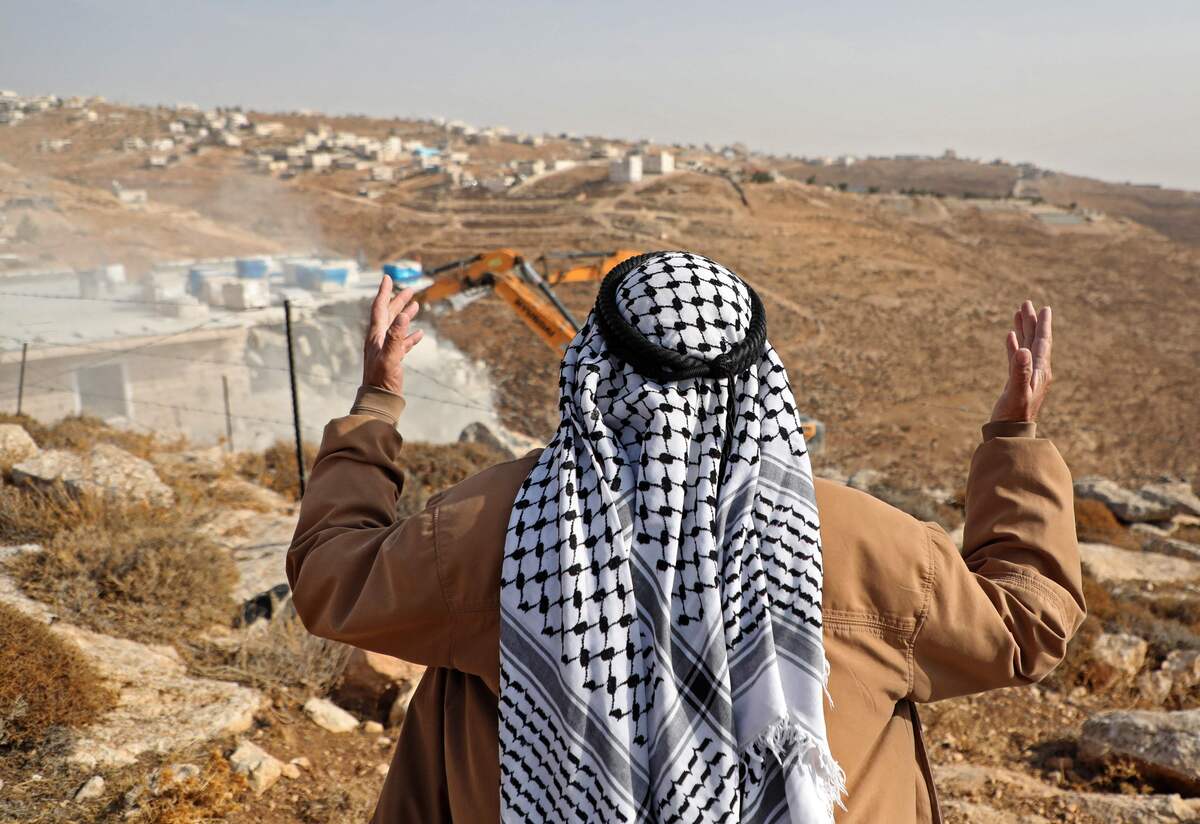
(530, 168)
(625, 170)
(659, 163)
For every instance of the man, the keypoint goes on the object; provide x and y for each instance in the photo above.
(639, 622)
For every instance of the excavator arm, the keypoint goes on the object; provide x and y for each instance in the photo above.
(590, 272)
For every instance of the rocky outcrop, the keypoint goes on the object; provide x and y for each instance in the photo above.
(1117, 657)
(1112, 565)
(1173, 547)
(105, 470)
(993, 795)
(1126, 505)
(159, 707)
(1162, 744)
(1176, 495)
(15, 444)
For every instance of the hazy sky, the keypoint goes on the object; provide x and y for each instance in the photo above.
(1108, 89)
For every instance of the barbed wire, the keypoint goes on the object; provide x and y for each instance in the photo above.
(234, 364)
(262, 325)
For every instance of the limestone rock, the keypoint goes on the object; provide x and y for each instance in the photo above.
(399, 708)
(252, 495)
(864, 479)
(291, 771)
(106, 470)
(479, 433)
(1183, 667)
(1177, 495)
(963, 785)
(92, 788)
(204, 462)
(1126, 505)
(1166, 744)
(1155, 686)
(1147, 531)
(1112, 565)
(372, 728)
(1173, 547)
(261, 768)
(160, 708)
(330, 716)
(1117, 656)
(372, 682)
(15, 444)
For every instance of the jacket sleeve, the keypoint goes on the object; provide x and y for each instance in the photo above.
(1001, 612)
(357, 575)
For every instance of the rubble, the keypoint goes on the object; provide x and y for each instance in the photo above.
(92, 789)
(1117, 656)
(15, 444)
(106, 470)
(328, 715)
(1164, 744)
(261, 768)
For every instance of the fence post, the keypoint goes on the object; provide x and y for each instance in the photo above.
(287, 320)
(21, 378)
(228, 415)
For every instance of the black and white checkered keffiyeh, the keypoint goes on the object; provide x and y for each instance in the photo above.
(661, 656)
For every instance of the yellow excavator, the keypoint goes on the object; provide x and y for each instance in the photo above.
(523, 287)
(531, 296)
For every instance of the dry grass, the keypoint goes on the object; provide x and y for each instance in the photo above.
(80, 433)
(209, 796)
(1094, 522)
(275, 467)
(135, 571)
(273, 655)
(430, 468)
(44, 682)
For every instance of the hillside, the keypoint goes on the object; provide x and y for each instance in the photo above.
(161, 673)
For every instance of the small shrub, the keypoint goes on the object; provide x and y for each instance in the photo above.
(430, 468)
(81, 432)
(209, 796)
(275, 467)
(44, 682)
(136, 571)
(1095, 522)
(277, 655)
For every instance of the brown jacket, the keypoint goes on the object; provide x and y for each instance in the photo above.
(908, 618)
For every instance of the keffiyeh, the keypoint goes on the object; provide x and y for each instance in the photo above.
(661, 656)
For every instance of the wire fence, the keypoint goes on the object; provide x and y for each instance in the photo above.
(30, 378)
(49, 376)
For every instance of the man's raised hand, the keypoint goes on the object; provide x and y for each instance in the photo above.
(388, 338)
(1028, 345)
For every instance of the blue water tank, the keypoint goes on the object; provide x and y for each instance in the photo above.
(196, 277)
(314, 276)
(254, 267)
(403, 270)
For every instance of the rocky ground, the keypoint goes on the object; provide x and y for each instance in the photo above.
(235, 714)
(162, 676)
